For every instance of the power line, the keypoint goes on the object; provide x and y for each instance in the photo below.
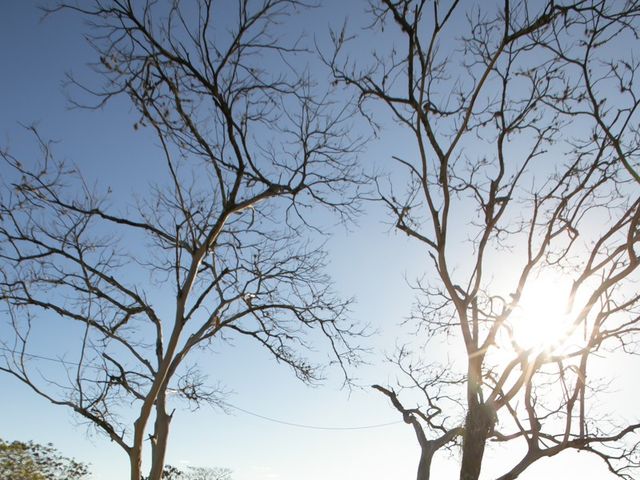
(312, 427)
(227, 404)
(41, 357)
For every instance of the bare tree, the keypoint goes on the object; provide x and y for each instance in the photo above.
(525, 121)
(218, 250)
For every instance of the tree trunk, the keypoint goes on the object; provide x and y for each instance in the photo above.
(160, 438)
(479, 422)
(135, 456)
(424, 467)
(135, 462)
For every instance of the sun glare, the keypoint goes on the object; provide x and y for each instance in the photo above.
(541, 321)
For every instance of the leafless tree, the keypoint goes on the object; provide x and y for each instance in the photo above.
(218, 250)
(525, 121)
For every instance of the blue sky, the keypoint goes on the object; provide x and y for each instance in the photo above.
(368, 262)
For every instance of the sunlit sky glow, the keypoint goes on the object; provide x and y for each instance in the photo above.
(543, 317)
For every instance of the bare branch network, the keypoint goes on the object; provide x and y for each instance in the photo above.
(249, 145)
(521, 169)
(525, 122)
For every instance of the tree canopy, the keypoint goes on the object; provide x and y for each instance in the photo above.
(248, 144)
(521, 187)
(33, 461)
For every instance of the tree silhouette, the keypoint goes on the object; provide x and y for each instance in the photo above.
(524, 118)
(249, 144)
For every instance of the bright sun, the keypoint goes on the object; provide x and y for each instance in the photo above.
(541, 321)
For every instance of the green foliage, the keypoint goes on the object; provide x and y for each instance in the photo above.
(32, 461)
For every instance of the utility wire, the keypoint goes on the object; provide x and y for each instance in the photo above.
(312, 427)
(40, 357)
(226, 404)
